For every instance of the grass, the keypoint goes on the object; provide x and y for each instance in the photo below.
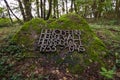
(110, 34)
(96, 26)
(6, 32)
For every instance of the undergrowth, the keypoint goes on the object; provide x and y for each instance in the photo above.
(5, 22)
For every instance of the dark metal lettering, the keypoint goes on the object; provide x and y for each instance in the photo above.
(50, 40)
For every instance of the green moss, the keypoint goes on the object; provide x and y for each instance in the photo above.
(28, 34)
(50, 20)
(5, 22)
(34, 24)
(94, 46)
(77, 62)
(70, 21)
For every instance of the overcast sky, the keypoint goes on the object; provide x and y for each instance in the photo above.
(14, 3)
(11, 3)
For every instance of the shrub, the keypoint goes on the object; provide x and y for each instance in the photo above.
(4, 66)
(107, 73)
(11, 49)
(5, 22)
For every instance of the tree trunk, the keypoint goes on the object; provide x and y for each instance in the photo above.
(37, 7)
(94, 8)
(50, 8)
(66, 6)
(44, 9)
(72, 2)
(9, 16)
(41, 6)
(117, 8)
(57, 9)
(8, 7)
(54, 10)
(27, 4)
(100, 8)
(75, 7)
(63, 7)
(22, 10)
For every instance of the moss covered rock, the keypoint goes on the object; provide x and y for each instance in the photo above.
(75, 62)
(95, 48)
(28, 34)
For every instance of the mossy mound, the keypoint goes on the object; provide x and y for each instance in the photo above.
(95, 48)
(75, 62)
(29, 33)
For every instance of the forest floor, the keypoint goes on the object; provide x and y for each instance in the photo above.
(110, 34)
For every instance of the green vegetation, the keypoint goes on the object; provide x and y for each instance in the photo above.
(20, 48)
(28, 34)
(109, 35)
(7, 33)
(5, 22)
(107, 73)
(22, 23)
(11, 49)
(95, 48)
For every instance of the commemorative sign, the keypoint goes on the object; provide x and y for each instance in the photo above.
(53, 40)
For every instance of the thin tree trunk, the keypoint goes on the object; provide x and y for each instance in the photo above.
(57, 9)
(94, 7)
(63, 6)
(8, 7)
(117, 8)
(37, 7)
(27, 4)
(72, 2)
(100, 8)
(44, 9)
(41, 6)
(54, 10)
(22, 10)
(85, 14)
(9, 16)
(66, 6)
(75, 6)
(50, 8)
